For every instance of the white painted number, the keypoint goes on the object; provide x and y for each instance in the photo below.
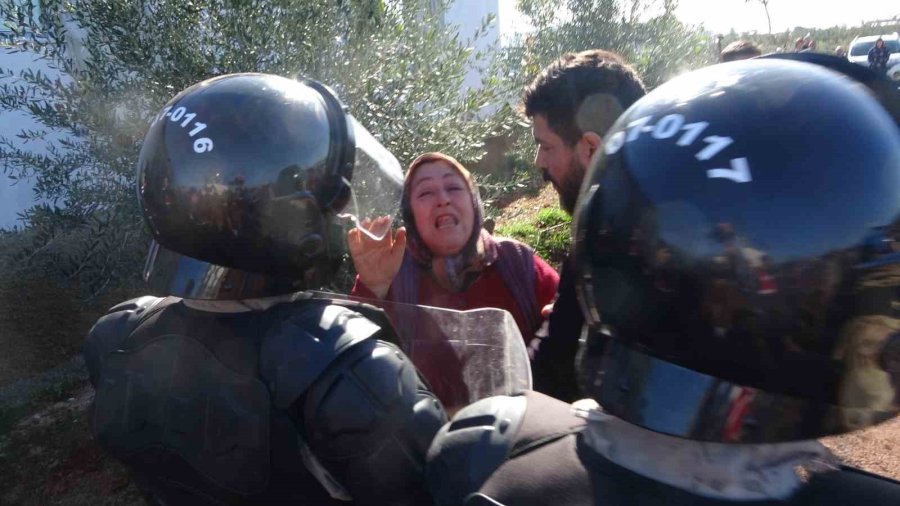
(187, 119)
(636, 127)
(198, 127)
(692, 131)
(160, 115)
(177, 114)
(716, 144)
(668, 126)
(203, 144)
(739, 171)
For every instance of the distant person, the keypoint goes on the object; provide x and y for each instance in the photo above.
(878, 56)
(810, 46)
(444, 257)
(571, 104)
(799, 44)
(739, 50)
(840, 52)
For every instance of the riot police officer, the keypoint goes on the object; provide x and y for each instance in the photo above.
(736, 310)
(237, 387)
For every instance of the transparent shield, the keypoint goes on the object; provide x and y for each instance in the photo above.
(463, 355)
(376, 185)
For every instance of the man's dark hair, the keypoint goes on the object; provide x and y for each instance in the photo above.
(739, 50)
(583, 92)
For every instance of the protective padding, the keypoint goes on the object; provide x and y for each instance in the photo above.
(172, 394)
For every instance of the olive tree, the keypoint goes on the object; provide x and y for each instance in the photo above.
(395, 64)
(645, 32)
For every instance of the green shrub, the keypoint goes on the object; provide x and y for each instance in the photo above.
(548, 232)
(521, 231)
(551, 216)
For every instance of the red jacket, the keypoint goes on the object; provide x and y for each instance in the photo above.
(488, 290)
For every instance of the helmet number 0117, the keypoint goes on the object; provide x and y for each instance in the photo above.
(667, 128)
(182, 117)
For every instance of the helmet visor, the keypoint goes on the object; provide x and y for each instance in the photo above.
(376, 184)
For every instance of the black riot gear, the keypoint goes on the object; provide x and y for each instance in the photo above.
(737, 263)
(248, 172)
(724, 240)
(237, 388)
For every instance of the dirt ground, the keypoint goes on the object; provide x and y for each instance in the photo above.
(528, 206)
(46, 453)
(876, 449)
(48, 458)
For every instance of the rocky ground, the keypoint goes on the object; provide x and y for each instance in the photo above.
(876, 449)
(522, 208)
(48, 458)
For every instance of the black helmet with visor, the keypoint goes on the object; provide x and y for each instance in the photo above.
(241, 179)
(724, 249)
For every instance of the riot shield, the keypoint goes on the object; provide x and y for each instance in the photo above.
(463, 355)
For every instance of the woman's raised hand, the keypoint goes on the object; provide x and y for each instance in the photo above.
(377, 261)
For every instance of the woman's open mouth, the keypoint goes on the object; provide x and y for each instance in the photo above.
(445, 221)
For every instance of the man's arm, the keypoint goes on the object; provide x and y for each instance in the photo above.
(553, 366)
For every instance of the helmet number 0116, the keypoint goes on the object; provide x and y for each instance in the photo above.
(183, 118)
(668, 127)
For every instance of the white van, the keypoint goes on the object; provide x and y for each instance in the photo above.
(859, 49)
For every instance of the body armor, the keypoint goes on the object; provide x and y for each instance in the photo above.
(736, 255)
(530, 450)
(251, 407)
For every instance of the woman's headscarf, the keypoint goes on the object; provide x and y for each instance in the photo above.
(479, 251)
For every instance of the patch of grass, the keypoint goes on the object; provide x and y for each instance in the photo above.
(547, 232)
(521, 231)
(552, 216)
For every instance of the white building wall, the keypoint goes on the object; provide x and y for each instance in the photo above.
(468, 15)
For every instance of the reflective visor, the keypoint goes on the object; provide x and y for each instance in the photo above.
(376, 183)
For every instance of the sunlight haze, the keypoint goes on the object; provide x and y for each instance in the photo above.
(723, 15)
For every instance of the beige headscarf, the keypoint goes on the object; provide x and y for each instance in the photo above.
(480, 250)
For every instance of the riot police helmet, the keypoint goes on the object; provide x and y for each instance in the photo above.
(724, 249)
(244, 179)
(885, 90)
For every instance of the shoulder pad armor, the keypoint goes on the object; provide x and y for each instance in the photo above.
(111, 329)
(374, 314)
(369, 418)
(472, 446)
(303, 342)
